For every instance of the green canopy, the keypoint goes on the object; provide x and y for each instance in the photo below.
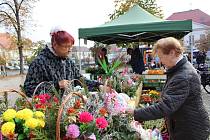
(134, 26)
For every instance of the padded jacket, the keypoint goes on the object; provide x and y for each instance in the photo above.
(181, 105)
(52, 69)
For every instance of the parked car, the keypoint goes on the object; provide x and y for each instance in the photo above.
(25, 67)
(17, 67)
(10, 67)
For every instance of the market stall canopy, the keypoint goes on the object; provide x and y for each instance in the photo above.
(134, 26)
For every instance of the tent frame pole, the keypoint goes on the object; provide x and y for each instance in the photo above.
(80, 65)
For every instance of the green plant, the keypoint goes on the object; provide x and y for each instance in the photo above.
(153, 124)
(109, 69)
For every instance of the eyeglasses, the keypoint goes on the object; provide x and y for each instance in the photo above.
(66, 46)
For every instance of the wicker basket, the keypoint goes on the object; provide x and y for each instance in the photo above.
(50, 84)
(66, 98)
(8, 91)
(60, 111)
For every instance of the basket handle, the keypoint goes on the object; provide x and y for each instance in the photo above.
(71, 82)
(61, 110)
(20, 93)
(35, 90)
(138, 93)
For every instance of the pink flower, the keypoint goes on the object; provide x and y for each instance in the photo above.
(101, 123)
(92, 137)
(125, 71)
(130, 81)
(73, 131)
(1, 137)
(85, 117)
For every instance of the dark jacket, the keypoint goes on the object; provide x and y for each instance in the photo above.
(137, 62)
(181, 104)
(51, 68)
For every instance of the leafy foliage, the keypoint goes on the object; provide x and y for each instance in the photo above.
(204, 43)
(109, 69)
(38, 47)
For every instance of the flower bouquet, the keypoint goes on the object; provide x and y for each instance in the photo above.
(97, 115)
(49, 105)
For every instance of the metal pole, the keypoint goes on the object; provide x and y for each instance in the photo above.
(191, 46)
(80, 67)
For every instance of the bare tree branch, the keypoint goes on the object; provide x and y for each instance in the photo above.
(10, 18)
(2, 20)
(5, 3)
(20, 5)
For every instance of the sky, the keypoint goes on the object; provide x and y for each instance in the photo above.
(74, 14)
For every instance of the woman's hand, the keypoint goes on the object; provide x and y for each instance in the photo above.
(129, 110)
(63, 84)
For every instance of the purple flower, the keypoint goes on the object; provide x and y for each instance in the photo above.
(72, 131)
(1, 137)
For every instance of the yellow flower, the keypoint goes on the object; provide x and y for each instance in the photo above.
(9, 114)
(24, 114)
(32, 123)
(39, 114)
(41, 123)
(8, 128)
(154, 92)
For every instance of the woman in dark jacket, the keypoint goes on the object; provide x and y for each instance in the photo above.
(181, 102)
(54, 65)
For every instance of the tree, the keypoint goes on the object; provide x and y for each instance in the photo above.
(37, 47)
(204, 43)
(14, 15)
(122, 6)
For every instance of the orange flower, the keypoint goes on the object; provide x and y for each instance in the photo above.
(77, 104)
(71, 110)
(103, 111)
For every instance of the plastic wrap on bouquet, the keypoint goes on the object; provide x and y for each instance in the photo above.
(148, 134)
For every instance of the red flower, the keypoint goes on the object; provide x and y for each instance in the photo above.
(85, 117)
(56, 100)
(101, 123)
(39, 106)
(71, 110)
(103, 111)
(49, 105)
(77, 104)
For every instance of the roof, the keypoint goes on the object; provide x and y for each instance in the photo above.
(135, 15)
(6, 41)
(80, 49)
(134, 26)
(195, 15)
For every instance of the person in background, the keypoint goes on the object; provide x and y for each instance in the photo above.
(189, 57)
(53, 64)
(103, 55)
(201, 57)
(136, 61)
(181, 103)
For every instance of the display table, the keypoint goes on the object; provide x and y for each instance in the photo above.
(154, 81)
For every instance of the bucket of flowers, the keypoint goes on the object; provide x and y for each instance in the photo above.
(150, 97)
